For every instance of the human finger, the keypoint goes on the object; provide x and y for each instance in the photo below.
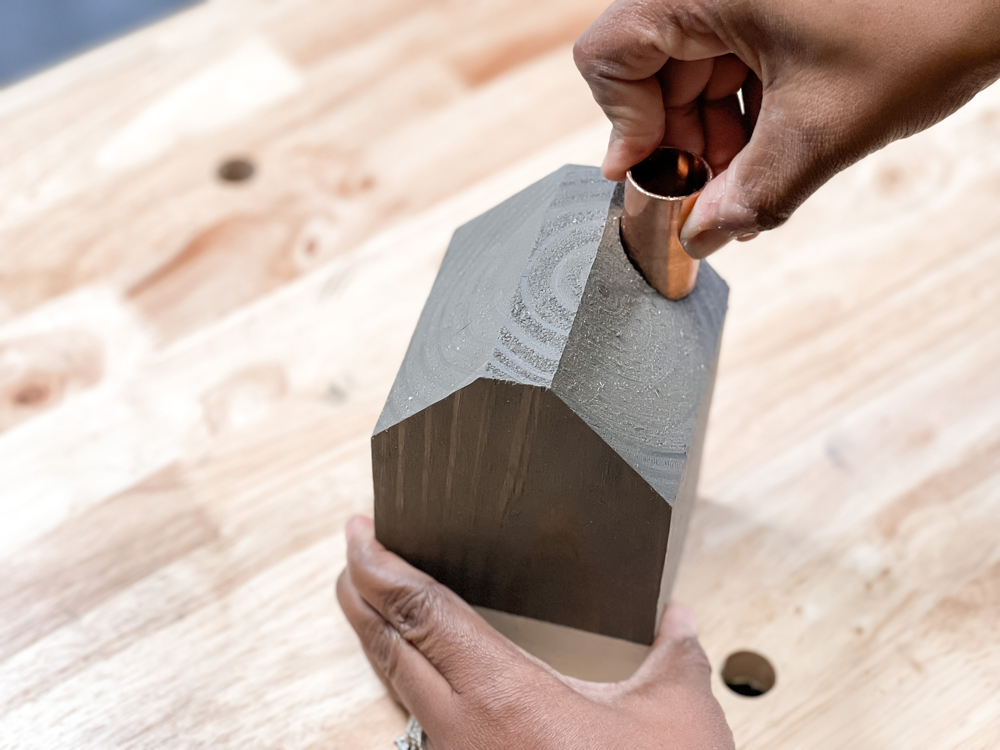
(728, 75)
(682, 83)
(676, 656)
(429, 617)
(725, 131)
(726, 127)
(407, 675)
(619, 57)
(783, 162)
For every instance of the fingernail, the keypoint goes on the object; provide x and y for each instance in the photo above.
(706, 242)
(356, 524)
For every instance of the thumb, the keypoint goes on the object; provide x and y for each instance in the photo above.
(676, 656)
(676, 680)
(765, 182)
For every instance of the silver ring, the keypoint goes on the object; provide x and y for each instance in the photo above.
(413, 738)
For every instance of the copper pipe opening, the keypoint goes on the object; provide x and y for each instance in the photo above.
(660, 192)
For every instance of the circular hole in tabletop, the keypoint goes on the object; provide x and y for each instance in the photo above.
(236, 170)
(748, 673)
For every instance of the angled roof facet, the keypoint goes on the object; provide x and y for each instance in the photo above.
(539, 291)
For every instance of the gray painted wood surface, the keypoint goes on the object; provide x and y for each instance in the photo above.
(539, 449)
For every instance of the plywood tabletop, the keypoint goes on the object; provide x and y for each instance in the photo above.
(190, 370)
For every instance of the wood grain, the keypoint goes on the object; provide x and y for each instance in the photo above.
(171, 517)
(538, 452)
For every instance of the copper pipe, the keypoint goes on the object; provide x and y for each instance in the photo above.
(660, 192)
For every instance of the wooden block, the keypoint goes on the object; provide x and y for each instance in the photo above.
(539, 449)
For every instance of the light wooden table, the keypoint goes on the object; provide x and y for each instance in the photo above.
(190, 371)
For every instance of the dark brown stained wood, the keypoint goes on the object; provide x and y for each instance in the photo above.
(849, 502)
(539, 450)
(493, 504)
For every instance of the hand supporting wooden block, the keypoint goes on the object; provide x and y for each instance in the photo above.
(539, 449)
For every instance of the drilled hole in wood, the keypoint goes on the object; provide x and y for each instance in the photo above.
(236, 170)
(748, 673)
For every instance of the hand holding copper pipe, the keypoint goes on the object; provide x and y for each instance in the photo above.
(820, 90)
(660, 192)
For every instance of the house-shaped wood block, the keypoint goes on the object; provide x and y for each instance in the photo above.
(539, 449)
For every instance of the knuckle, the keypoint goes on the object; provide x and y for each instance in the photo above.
(595, 61)
(411, 608)
(770, 215)
(768, 204)
(383, 644)
(647, 31)
(616, 40)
